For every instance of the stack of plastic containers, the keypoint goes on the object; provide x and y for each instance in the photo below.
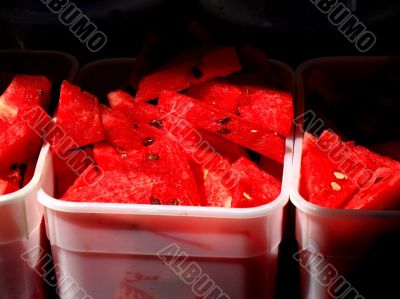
(22, 230)
(118, 250)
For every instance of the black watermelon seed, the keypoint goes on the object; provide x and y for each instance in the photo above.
(175, 202)
(156, 123)
(196, 72)
(153, 157)
(148, 141)
(224, 131)
(155, 201)
(224, 121)
(136, 126)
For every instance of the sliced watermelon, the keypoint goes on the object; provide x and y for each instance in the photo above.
(270, 108)
(18, 143)
(255, 187)
(210, 181)
(384, 194)
(224, 124)
(24, 92)
(120, 99)
(78, 115)
(223, 95)
(157, 174)
(179, 74)
(322, 180)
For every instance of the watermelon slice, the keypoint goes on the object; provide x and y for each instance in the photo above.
(270, 108)
(157, 174)
(224, 124)
(24, 92)
(223, 95)
(78, 115)
(322, 180)
(337, 174)
(238, 185)
(181, 73)
(255, 186)
(384, 194)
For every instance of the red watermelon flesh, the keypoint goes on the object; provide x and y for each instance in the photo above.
(223, 95)
(322, 180)
(120, 99)
(215, 193)
(7, 187)
(255, 187)
(270, 108)
(384, 194)
(224, 124)
(182, 73)
(24, 92)
(158, 175)
(119, 129)
(78, 115)
(18, 143)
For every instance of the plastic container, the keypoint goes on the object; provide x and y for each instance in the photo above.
(112, 250)
(22, 228)
(362, 246)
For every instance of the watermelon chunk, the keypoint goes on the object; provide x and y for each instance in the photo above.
(323, 181)
(271, 108)
(255, 186)
(384, 194)
(24, 91)
(157, 174)
(223, 95)
(78, 115)
(224, 124)
(337, 174)
(181, 73)
(211, 181)
(238, 185)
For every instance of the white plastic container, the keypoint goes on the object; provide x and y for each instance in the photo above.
(22, 228)
(362, 246)
(112, 250)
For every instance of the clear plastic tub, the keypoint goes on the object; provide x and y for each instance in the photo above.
(362, 246)
(22, 228)
(125, 251)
